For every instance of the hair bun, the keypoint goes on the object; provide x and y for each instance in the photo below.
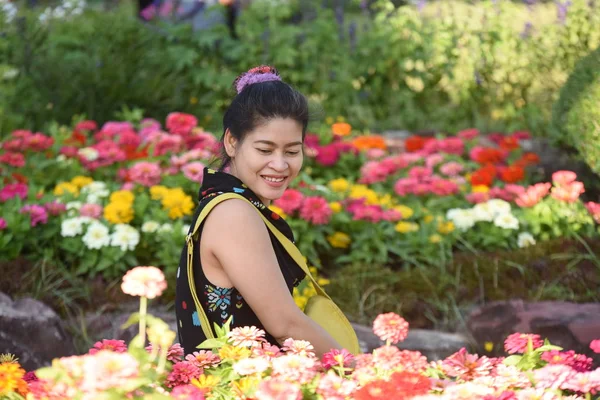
(262, 73)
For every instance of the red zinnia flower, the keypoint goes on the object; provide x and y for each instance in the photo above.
(512, 174)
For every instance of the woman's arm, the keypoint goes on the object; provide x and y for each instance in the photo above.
(239, 240)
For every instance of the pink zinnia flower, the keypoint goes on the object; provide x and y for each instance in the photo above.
(174, 353)
(38, 142)
(390, 327)
(334, 387)
(595, 345)
(373, 172)
(433, 160)
(468, 134)
(562, 178)
(451, 168)
(146, 282)
(533, 195)
(568, 193)
(194, 171)
(55, 208)
(392, 215)
(300, 347)
(168, 144)
(328, 155)
(582, 382)
(477, 197)
(517, 342)
(267, 350)
(106, 370)
(278, 389)
(91, 210)
(203, 358)
(363, 212)
(506, 395)
(147, 127)
(413, 361)
(578, 362)
(552, 376)
(16, 160)
(420, 172)
(404, 186)
(387, 357)
(180, 123)
(290, 201)
(118, 346)
(294, 368)
(316, 210)
(187, 392)
(466, 366)
(2, 224)
(246, 336)
(69, 151)
(182, 374)
(452, 145)
(14, 190)
(37, 214)
(443, 187)
(336, 358)
(145, 173)
(594, 209)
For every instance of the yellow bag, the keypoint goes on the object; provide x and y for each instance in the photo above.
(320, 308)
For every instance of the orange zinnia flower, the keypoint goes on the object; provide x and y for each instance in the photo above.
(341, 129)
(369, 142)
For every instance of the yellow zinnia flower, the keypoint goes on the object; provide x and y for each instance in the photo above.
(11, 379)
(158, 192)
(323, 281)
(245, 386)
(234, 353)
(480, 189)
(205, 381)
(118, 213)
(406, 212)
(445, 227)
(361, 191)
(301, 301)
(177, 203)
(339, 185)
(428, 218)
(122, 196)
(335, 206)
(405, 227)
(278, 211)
(81, 181)
(435, 238)
(65, 187)
(339, 240)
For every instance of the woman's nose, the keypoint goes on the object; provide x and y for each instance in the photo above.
(278, 163)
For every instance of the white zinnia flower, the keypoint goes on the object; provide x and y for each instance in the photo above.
(506, 221)
(150, 226)
(166, 227)
(525, 239)
(88, 153)
(71, 227)
(96, 236)
(462, 219)
(499, 206)
(483, 212)
(125, 236)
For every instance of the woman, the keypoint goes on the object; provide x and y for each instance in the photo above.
(240, 268)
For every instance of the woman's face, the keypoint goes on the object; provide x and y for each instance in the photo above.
(268, 158)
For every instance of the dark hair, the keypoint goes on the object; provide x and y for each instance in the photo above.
(256, 104)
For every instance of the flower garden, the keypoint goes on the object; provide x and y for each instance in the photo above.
(101, 200)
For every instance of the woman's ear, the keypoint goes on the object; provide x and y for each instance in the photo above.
(230, 142)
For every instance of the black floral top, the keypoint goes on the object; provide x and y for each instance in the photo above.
(220, 303)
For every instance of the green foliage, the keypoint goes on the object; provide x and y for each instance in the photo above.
(450, 66)
(576, 118)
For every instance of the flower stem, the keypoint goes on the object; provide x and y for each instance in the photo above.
(143, 309)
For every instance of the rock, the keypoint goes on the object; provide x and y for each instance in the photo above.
(569, 325)
(33, 332)
(108, 325)
(434, 345)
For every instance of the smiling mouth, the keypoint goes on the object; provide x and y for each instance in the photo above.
(274, 179)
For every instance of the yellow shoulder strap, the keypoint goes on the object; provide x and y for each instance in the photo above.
(287, 244)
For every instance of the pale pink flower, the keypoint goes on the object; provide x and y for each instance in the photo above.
(517, 342)
(595, 345)
(294, 368)
(433, 160)
(182, 373)
(465, 366)
(146, 282)
(246, 336)
(533, 195)
(420, 172)
(413, 361)
(390, 327)
(468, 134)
(387, 357)
(203, 358)
(568, 193)
(477, 197)
(91, 210)
(129, 186)
(300, 347)
(37, 214)
(145, 173)
(278, 389)
(451, 145)
(451, 168)
(336, 358)
(563, 178)
(194, 171)
(316, 210)
(107, 369)
(552, 376)
(334, 387)
(290, 201)
(55, 208)
(582, 382)
(267, 350)
(118, 346)
(180, 123)
(14, 190)
(251, 366)
(509, 376)
(187, 392)
(375, 154)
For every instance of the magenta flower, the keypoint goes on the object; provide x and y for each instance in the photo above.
(328, 155)
(55, 208)
(14, 190)
(3, 224)
(16, 160)
(517, 342)
(335, 357)
(316, 210)
(182, 374)
(118, 346)
(290, 201)
(187, 392)
(37, 214)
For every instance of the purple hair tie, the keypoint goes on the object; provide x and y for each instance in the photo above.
(250, 78)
